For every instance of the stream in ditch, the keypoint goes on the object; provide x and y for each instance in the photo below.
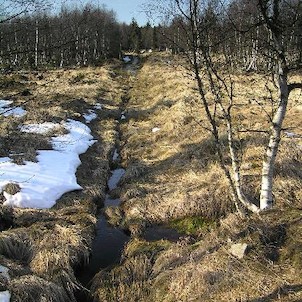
(109, 241)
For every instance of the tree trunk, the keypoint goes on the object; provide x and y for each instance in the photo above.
(36, 43)
(266, 195)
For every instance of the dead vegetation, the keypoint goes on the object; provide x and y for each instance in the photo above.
(206, 270)
(42, 248)
(173, 177)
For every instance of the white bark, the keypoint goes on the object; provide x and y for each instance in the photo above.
(236, 172)
(36, 44)
(266, 194)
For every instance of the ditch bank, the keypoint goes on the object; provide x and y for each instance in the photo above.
(110, 242)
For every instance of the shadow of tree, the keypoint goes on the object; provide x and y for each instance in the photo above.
(280, 292)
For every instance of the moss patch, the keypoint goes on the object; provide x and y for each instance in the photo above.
(191, 225)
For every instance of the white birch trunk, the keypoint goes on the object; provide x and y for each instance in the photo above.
(266, 194)
(236, 172)
(36, 44)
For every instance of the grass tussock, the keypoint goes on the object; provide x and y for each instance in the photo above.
(130, 282)
(17, 246)
(43, 248)
(173, 177)
(34, 289)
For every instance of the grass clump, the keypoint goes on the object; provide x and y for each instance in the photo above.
(12, 188)
(10, 82)
(35, 289)
(16, 246)
(77, 78)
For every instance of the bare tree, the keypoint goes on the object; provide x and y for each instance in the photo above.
(271, 11)
(204, 25)
(10, 9)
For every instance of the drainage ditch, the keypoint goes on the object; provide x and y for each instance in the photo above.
(109, 241)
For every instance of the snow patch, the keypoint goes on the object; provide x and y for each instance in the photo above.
(6, 110)
(39, 128)
(98, 106)
(115, 155)
(291, 134)
(44, 182)
(90, 116)
(115, 178)
(5, 296)
(126, 59)
(156, 129)
(4, 272)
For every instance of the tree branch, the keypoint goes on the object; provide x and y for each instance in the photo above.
(293, 86)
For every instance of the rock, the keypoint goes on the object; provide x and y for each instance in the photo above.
(238, 250)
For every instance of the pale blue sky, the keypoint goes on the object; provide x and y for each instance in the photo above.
(125, 9)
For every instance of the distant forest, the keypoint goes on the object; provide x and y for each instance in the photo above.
(80, 37)
(88, 36)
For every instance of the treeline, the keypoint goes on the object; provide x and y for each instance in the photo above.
(80, 37)
(236, 31)
(91, 35)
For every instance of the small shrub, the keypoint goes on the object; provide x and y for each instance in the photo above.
(12, 188)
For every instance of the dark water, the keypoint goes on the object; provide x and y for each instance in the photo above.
(108, 244)
(106, 250)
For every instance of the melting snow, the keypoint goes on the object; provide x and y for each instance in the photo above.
(291, 134)
(6, 110)
(155, 129)
(90, 116)
(115, 155)
(126, 59)
(39, 128)
(115, 178)
(98, 106)
(44, 182)
(4, 272)
(5, 296)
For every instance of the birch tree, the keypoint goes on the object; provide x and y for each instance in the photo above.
(204, 31)
(272, 14)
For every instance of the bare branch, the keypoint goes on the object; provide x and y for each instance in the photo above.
(293, 86)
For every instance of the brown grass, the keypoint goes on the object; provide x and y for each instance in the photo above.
(48, 245)
(173, 174)
(34, 289)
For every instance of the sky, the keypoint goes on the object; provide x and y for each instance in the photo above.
(125, 9)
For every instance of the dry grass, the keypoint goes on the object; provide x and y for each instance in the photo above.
(43, 248)
(173, 174)
(34, 289)
(207, 271)
(16, 245)
(128, 283)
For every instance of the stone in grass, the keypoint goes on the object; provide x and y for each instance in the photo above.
(238, 250)
(12, 188)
